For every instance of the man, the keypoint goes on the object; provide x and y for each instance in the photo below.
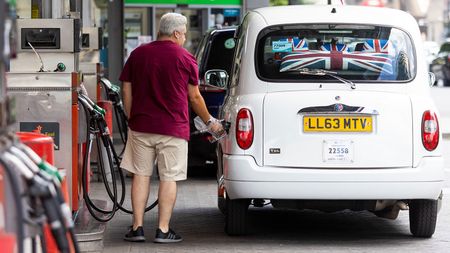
(159, 79)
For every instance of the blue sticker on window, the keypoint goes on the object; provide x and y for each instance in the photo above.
(282, 46)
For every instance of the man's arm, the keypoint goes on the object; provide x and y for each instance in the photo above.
(199, 107)
(198, 103)
(126, 95)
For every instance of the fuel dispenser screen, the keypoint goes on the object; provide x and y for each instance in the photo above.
(41, 38)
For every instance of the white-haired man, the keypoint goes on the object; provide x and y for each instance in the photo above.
(159, 79)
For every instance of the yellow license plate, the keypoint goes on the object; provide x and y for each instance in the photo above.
(337, 124)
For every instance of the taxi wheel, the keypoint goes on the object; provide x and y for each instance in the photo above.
(423, 217)
(236, 216)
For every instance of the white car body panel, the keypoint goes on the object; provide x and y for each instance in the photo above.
(245, 179)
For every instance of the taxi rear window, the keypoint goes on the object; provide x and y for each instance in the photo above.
(362, 53)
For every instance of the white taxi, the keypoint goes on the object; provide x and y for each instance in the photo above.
(330, 109)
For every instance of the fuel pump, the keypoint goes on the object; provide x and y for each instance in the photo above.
(44, 78)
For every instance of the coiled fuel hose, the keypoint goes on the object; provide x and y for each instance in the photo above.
(97, 127)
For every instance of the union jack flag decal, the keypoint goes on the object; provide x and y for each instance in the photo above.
(376, 46)
(337, 60)
(334, 47)
(298, 44)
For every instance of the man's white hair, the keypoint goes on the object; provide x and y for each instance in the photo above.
(171, 22)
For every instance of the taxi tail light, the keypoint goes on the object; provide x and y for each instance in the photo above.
(244, 128)
(430, 130)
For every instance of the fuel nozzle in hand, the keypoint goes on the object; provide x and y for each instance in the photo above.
(215, 127)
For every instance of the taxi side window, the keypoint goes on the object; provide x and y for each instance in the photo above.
(235, 73)
(221, 51)
(199, 54)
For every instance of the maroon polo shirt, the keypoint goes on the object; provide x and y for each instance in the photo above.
(160, 73)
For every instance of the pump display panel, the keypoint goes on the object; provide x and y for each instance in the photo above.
(39, 38)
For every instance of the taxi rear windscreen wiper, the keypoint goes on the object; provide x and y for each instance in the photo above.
(323, 72)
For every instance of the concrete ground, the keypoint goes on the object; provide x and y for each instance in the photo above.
(201, 224)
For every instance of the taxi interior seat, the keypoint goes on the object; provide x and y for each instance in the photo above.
(359, 47)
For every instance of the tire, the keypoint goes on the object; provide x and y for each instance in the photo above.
(423, 217)
(236, 216)
(221, 204)
(221, 201)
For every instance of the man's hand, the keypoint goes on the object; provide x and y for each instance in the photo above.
(215, 128)
(198, 105)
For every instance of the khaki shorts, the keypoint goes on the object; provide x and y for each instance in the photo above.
(143, 148)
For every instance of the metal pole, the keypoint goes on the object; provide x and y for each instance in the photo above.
(3, 57)
(36, 9)
(73, 5)
(87, 15)
(115, 39)
(2, 39)
(57, 9)
(46, 9)
(77, 6)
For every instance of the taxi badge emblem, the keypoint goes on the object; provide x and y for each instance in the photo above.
(338, 107)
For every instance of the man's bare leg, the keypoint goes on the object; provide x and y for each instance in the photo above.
(140, 189)
(167, 196)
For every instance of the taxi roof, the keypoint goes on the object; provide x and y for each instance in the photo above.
(341, 14)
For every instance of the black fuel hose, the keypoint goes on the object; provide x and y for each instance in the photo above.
(55, 207)
(54, 217)
(122, 123)
(43, 241)
(96, 126)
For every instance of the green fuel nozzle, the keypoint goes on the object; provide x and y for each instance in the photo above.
(100, 110)
(115, 88)
(50, 169)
